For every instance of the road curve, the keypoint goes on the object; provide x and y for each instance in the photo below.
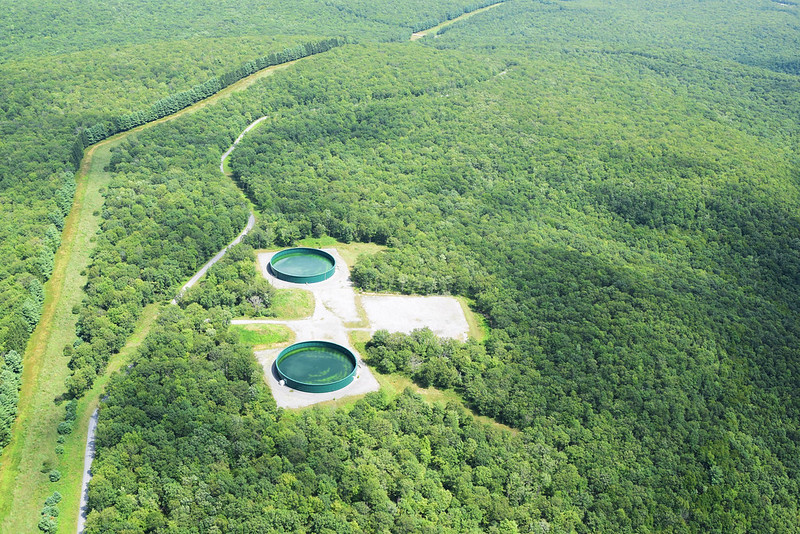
(241, 135)
(251, 221)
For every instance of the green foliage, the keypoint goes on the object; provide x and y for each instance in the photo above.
(614, 242)
(235, 284)
(13, 361)
(65, 427)
(42, 106)
(430, 361)
(56, 26)
(613, 184)
(48, 524)
(50, 512)
(383, 463)
(54, 476)
(10, 381)
(183, 99)
(98, 69)
(761, 34)
(71, 410)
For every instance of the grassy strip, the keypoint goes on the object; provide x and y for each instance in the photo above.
(33, 441)
(22, 484)
(289, 304)
(435, 29)
(478, 327)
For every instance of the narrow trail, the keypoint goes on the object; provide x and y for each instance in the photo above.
(251, 221)
(87, 470)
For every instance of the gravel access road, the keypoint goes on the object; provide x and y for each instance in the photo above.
(88, 456)
(251, 221)
(89, 453)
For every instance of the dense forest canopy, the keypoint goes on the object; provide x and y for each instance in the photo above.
(67, 66)
(53, 27)
(638, 268)
(383, 465)
(614, 185)
(764, 33)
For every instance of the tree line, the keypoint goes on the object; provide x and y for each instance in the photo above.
(183, 99)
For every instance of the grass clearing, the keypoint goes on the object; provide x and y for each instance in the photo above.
(478, 327)
(358, 339)
(264, 336)
(289, 304)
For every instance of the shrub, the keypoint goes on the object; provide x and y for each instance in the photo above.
(48, 524)
(71, 411)
(51, 511)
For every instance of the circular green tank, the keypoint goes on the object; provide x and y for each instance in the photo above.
(316, 366)
(302, 265)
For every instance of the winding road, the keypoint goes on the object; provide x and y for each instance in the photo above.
(88, 455)
(251, 221)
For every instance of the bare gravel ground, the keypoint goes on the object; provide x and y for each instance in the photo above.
(336, 314)
(87, 471)
(401, 313)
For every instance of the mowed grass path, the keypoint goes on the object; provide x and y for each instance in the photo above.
(433, 31)
(23, 487)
